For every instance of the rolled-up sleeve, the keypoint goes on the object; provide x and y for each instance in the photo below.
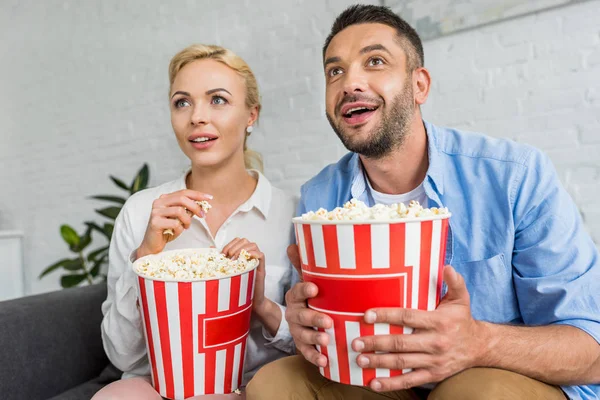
(283, 339)
(556, 264)
(122, 333)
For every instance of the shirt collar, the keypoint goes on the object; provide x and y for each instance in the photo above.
(261, 198)
(435, 172)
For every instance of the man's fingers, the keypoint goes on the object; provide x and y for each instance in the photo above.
(406, 381)
(401, 316)
(457, 288)
(311, 354)
(415, 343)
(311, 336)
(299, 293)
(307, 317)
(394, 361)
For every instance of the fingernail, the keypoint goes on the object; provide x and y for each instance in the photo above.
(359, 345)
(370, 317)
(321, 361)
(202, 214)
(323, 339)
(375, 385)
(210, 196)
(362, 361)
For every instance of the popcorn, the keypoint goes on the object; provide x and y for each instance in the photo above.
(189, 265)
(169, 234)
(356, 210)
(205, 205)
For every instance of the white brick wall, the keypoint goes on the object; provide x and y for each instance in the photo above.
(83, 95)
(534, 79)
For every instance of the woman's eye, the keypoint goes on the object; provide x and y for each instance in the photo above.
(335, 71)
(218, 100)
(375, 61)
(181, 103)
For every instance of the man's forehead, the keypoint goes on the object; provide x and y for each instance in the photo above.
(353, 39)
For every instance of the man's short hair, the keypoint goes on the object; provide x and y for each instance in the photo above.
(370, 14)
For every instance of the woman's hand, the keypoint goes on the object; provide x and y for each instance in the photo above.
(266, 310)
(172, 211)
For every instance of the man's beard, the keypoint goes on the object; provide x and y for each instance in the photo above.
(391, 132)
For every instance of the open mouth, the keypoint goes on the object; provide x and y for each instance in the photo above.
(358, 111)
(202, 140)
(359, 114)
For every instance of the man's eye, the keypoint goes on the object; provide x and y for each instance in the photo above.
(181, 103)
(218, 100)
(335, 71)
(376, 61)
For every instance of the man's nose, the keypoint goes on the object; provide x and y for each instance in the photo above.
(355, 80)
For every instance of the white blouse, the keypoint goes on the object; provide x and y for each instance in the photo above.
(265, 218)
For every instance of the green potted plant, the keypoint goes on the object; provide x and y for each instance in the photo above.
(87, 268)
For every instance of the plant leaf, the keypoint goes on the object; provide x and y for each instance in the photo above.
(145, 176)
(74, 265)
(69, 235)
(108, 230)
(109, 212)
(97, 264)
(92, 256)
(53, 267)
(119, 183)
(84, 241)
(97, 227)
(141, 180)
(114, 199)
(67, 281)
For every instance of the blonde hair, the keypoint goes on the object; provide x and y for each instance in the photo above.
(252, 159)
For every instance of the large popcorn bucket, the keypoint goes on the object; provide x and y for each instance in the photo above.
(196, 331)
(358, 266)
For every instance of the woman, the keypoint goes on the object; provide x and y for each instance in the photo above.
(214, 104)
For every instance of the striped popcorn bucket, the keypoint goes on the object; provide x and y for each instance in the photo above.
(359, 266)
(196, 331)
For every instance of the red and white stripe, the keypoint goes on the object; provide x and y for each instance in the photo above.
(358, 267)
(196, 333)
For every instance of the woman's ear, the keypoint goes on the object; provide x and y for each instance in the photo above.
(253, 115)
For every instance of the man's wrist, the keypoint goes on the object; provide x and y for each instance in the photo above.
(486, 340)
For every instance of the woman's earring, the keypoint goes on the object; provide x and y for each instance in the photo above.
(249, 130)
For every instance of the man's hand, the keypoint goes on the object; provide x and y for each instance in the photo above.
(302, 319)
(443, 343)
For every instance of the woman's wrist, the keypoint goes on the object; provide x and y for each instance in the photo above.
(269, 314)
(263, 309)
(141, 252)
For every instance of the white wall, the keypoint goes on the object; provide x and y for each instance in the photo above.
(534, 79)
(83, 95)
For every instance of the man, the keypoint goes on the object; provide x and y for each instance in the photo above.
(521, 316)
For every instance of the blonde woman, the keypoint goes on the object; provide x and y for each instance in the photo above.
(214, 103)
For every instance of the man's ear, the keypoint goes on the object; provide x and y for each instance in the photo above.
(421, 85)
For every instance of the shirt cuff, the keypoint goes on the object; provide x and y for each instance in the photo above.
(283, 339)
(592, 328)
(132, 257)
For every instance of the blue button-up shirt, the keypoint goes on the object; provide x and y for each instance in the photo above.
(516, 235)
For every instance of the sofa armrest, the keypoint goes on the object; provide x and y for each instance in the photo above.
(51, 342)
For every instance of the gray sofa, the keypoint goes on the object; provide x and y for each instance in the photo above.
(50, 346)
